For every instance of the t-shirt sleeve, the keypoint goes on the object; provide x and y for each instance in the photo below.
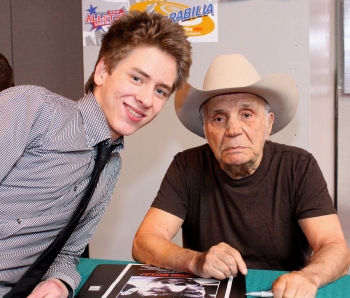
(312, 197)
(172, 196)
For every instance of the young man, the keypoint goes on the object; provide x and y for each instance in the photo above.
(243, 201)
(48, 144)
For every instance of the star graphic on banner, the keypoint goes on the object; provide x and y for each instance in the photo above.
(97, 28)
(92, 10)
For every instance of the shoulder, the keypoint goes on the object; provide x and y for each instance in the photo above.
(190, 160)
(287, 150)
(22, 93)
(31, 95)
(26, 91)
(195, 153)
(195, 150)
(286, 157)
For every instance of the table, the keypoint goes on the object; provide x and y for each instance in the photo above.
(256, 280)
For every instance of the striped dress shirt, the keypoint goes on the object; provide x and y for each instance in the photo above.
(47, 149)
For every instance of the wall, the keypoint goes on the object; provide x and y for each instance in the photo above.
(274, 36)
(322, 87)
(42, 45)
(343, 124)
(5, 29)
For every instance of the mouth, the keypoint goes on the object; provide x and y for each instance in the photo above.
(133, 112)
(234, 148)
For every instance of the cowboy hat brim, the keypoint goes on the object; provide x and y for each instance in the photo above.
(279, 90)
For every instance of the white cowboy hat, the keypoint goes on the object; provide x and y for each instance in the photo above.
(235, 74)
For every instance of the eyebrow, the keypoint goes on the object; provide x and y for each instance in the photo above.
(248, 105)
(221, 110)
(140, 71)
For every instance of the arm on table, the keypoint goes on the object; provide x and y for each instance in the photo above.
(64, 266)
(152, 245)
(329, 261)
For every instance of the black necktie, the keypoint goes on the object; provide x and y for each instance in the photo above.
(37, 270)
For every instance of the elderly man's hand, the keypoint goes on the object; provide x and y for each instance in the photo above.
(294, 285)
(51, 288)
(220, 262)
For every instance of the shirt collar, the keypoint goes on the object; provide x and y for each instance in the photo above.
(95, 124)
(118, 143)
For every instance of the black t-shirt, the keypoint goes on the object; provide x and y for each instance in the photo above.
(257, 215)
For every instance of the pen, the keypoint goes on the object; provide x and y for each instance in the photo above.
(260, 294)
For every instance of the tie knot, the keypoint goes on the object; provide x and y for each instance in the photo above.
(104, 150)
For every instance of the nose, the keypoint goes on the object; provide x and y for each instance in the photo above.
(145, 97)
(233, 127)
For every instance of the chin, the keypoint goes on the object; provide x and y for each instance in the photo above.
(125, 130)
(235, 161)
(129, 132)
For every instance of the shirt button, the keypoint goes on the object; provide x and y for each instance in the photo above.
(19, 220)
(75, 188)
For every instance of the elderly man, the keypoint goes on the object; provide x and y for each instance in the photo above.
(243, 201)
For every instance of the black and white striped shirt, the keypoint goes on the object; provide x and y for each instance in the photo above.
(46, 159)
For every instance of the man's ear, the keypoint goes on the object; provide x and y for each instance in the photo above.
(270, 119)
(100, 73)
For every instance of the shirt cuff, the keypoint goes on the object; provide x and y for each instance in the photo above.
(70, 290)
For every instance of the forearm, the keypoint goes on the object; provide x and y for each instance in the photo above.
(155, 250)
(328, 264)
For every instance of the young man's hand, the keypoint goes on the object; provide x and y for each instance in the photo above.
(51, 288)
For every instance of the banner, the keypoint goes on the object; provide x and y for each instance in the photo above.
(199, 18)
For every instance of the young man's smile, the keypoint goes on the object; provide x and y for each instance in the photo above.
(134, 115)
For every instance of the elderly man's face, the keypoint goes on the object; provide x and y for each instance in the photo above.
(236, 126)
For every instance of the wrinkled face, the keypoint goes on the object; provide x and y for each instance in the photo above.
(171, 286)
(137, 89)
(236, 126)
